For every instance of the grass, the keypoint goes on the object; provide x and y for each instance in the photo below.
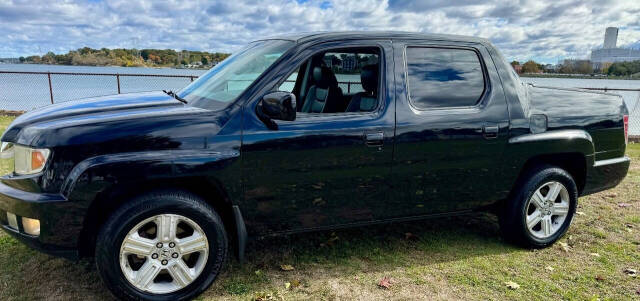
(452, 258)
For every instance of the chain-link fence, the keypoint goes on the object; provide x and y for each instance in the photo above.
(631, 98)
(22, 91)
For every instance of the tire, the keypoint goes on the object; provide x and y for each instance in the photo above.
(521, 210)
(191, 219)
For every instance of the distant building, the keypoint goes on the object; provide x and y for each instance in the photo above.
(610, 37)
(610, 53)
(349, 63)
(517, 68)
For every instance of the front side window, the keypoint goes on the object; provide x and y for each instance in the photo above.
(227, 80)
(444, 77)
(337, 81)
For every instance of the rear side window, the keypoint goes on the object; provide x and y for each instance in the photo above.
(444, 77)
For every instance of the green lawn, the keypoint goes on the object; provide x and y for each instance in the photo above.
(453, 258)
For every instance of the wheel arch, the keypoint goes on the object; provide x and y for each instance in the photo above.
(571, 150)
(109, 200)
(575, 163)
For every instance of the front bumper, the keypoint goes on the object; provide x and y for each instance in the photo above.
(605, 174)
(59, 231)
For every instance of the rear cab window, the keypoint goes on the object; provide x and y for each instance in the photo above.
(444, 77)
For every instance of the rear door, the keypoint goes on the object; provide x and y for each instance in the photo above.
(452, 127)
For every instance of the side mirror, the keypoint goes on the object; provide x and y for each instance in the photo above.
(277, 105)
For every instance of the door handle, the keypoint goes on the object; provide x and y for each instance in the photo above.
(374, 139)
(490, 131)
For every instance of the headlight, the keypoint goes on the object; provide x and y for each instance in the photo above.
(21, 159)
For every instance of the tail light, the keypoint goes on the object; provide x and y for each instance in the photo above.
(625, 120)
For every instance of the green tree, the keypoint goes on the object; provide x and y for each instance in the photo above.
(584, 67)
(204, 60)
(530, 67)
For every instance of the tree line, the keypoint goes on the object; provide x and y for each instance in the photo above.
(128, 57)
(585, 67)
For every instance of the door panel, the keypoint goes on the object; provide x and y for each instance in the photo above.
(448, 159)
(320, 170)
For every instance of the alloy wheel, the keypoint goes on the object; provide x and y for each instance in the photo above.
(547, 209)
(164, 253)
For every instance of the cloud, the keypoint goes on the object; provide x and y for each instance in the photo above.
(547, 30)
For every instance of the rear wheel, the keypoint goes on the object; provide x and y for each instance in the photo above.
(161, 246)
(541, 209)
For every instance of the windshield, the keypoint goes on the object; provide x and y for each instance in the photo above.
(223, 83)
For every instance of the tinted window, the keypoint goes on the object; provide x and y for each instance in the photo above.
(440, 77)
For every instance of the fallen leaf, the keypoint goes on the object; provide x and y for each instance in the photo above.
(295, 283)
(631, 272)
(512, 285)
(629, 225)
(385, 282)
(287, 285)
(624, 205)
(410, 236)
(638, 291)
(319, 202)
(286, 267)
(565, 247)
(599, 278)
(258, 272)
(595, 254)
(549, 268)
(579, 213)
(612, 195)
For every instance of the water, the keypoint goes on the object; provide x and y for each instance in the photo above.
(28, 91)
(630, 97)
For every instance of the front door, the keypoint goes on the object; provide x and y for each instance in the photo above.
(332, 165)
(451, 132)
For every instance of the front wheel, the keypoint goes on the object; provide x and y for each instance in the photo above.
(161, 246)
(541, 209)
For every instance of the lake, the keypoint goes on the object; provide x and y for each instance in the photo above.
(28, 91)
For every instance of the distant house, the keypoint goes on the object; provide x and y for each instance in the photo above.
(517, 68)
(349, 63)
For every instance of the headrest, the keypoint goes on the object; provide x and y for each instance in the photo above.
(369, 78)
(324, 77)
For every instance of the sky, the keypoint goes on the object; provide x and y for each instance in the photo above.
(543, 30)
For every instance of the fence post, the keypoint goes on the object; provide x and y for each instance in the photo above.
(118, 80)
(50, 88)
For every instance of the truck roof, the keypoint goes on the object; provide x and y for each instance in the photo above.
(345, 35)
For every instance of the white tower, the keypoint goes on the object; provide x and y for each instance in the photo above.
(610, 37)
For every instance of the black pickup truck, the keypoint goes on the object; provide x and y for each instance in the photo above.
(301, 133)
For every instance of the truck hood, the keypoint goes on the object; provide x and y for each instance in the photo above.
(42, 126)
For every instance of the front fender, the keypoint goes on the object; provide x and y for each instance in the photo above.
(96, 174)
